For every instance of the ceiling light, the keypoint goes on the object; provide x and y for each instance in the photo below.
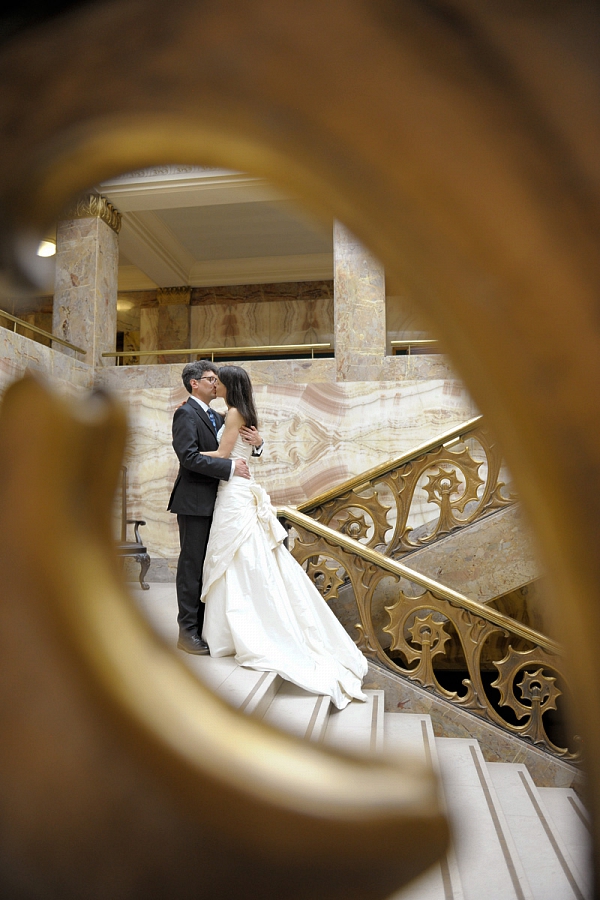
(46, 248)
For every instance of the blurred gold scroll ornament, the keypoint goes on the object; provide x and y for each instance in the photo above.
(122, 775)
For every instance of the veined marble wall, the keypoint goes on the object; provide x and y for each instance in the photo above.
(18, 354)
(317, 432)
(263, 324)
(235, 316)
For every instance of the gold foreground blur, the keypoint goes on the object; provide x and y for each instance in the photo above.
(463, 150)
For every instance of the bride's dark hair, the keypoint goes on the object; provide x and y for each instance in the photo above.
(239, 392)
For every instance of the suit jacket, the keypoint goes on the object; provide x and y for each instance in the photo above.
(195, 488)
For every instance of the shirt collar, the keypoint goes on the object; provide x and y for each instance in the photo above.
(199, 402)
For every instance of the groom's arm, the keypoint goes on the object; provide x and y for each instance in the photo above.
(251, 436)
(185, 445)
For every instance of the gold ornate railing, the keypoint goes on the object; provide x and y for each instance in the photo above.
(437, 631)
(460, 472)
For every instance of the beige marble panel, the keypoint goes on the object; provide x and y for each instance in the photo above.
(19, 354)
(491, 557)
(148, 333)
(261, 323)
(85, 295)
(307, 322)
(360, 336)
(230, 325)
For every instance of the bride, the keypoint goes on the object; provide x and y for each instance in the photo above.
(261, 606)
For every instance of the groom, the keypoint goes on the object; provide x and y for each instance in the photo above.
(195, 427)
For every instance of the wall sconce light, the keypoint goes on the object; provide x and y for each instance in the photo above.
(46, 248)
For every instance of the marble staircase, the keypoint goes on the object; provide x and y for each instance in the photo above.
(511, 839)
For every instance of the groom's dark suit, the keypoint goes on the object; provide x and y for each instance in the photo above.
(193, 499)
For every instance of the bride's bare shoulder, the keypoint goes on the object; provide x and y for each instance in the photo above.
(234, 417)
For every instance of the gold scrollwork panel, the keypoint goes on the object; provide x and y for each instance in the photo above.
(377, 513)
(422, 638)
(431, 634)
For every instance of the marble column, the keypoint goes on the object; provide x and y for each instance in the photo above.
(359, 309)
(85, 288)
(174, 321)
(149, 330)
(165, 322)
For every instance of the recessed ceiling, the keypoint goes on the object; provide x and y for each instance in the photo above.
(244, 230)
(206, 227)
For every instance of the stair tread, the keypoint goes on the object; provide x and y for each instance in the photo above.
(487, 857)
(410, 733)
(546, 859)
(358, 727)
(434, 884)
(241, 687)
(572, 821)
(298, 712)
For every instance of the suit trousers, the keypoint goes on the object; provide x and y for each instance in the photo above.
(193, 538)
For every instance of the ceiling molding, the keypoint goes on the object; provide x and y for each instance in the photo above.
(262, 270)
(170, 192)
(145, 239)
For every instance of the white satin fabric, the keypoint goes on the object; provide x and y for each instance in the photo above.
(261, 606)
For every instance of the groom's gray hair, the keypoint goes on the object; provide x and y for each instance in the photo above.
(195, 371)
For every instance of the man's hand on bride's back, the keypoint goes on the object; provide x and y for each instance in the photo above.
(251, 436)
(241, 468)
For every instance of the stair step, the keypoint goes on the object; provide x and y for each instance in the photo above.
(358, 727)
(296, 711)
(488, 860)
(213, 672)
(411, 734)
(248, 689)
(572, 822)
(550, 870)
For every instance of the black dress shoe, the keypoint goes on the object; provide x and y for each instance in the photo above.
(191, 643)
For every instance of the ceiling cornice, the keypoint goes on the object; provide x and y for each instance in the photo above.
(157, 252)
(176, 191)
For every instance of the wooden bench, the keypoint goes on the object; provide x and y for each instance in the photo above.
(135, 548)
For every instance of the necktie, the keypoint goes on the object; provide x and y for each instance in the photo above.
(212, 418)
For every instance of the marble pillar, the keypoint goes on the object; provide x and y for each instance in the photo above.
(149, 330)
(173, 321)
(165, 325)
(86, 281)
(359, 309)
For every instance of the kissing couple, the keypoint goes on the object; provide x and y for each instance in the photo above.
(240, 592)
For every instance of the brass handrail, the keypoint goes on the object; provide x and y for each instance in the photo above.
(357, 482)
(417, 342)
(436, 589)
(225, 351)
(41, 331)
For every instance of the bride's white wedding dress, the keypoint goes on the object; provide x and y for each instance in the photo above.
(262, 607)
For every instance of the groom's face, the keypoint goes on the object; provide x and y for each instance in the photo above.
(205, 387)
